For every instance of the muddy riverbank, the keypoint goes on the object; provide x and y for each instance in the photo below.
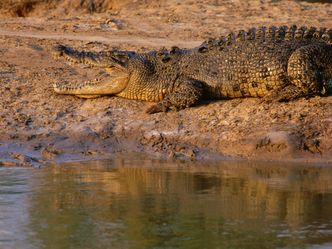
(39, 126)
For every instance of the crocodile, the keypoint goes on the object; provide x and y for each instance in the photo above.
(277, 63)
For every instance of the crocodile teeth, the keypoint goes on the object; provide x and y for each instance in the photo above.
(57, 86)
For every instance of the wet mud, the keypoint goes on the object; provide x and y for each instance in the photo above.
(38, 126)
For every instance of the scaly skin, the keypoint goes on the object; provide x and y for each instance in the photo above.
(277, 63)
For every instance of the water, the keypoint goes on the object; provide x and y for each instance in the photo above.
(151, 204)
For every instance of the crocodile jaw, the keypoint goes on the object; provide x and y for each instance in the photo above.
(115, 83)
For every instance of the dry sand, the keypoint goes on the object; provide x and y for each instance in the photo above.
(38, 126)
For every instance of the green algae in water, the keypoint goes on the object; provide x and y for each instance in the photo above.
(152, 204)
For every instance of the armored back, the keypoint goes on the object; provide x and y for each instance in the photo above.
(269, 34)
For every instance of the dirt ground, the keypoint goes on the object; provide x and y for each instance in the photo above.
(39, 126)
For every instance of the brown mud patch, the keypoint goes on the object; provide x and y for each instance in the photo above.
(37, 126)
(25, 8)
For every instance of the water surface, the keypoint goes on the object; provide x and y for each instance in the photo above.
(153, 204)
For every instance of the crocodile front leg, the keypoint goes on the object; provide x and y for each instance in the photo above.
(186, 92)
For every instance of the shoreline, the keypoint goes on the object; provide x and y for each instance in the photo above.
(38, 126)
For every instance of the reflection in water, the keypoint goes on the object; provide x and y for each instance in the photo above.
(149, 204)
(13, 208)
